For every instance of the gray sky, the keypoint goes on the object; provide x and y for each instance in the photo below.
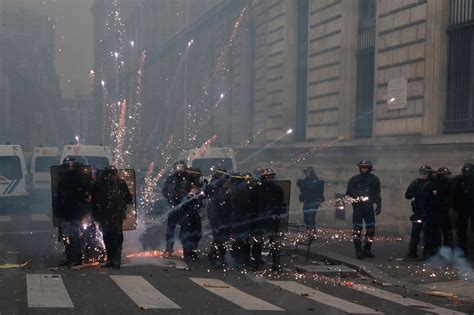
(74, 40)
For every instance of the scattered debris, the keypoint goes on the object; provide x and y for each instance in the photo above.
(386, 284)
(442, 294)
(53, 268)
(11, 266)
(85, 266)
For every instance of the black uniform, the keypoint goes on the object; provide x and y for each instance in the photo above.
(447, 186)
(432, 205)
(173, 191)
(72, 204)
(414, 192)
(110, 200)
(270, 208)
(311, 195)
(188, 214)
(243, 200)
(464, 205)
(219, 215)
(365, 189)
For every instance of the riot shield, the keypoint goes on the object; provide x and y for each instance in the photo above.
(128, 176)
(59, 181)
(273, 207)
(285, 185)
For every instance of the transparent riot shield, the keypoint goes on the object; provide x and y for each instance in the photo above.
(128, 176)
(61, 186)
(285, 185)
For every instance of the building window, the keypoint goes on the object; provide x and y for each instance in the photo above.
(365, 69)
(460, 96)
(302, 70)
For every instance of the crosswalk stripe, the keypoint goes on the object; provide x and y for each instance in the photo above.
(233, 295)
(39, 217)
(5, 218)
(46, 291)
(143, 293)
(405, 301)
(323, 298)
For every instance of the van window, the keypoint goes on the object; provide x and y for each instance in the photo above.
(97, 162)
(43, 163)
(205, 165)
(10, 167)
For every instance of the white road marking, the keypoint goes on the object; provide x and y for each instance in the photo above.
(143, 293)
(231, 294)
(323, 298)
(5, 218)
(46, 291)
(39, 217)
(405, 301)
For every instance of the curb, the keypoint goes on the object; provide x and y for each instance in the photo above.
(367, 269)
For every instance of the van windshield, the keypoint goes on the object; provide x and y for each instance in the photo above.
(97, 162)
(205, 165)
(10, 167)
(43, 163)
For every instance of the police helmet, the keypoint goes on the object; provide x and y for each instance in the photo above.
(180, 165)
(425, 169)
(70, 161)
(443, 171)
(365, 164)
(308, 169)
(194, 171)
(219, 173)
(111, 170)
(241, 177)
(268, 172)
(467, 168)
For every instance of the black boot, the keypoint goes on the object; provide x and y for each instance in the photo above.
(358, 248)
(367, 252)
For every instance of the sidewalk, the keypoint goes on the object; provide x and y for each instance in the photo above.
(449, 275)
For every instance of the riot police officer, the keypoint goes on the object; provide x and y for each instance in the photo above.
(311, 195)
(446, 184)
(219, 215)
(464, 197)
(172, 191)
(434, 206)
(71, 203)
(270, 208)
(414, 193)
(243, 201)
(364, 188)
(110, 199)
(188, 213)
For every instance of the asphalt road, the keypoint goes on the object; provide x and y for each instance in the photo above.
(155, 285)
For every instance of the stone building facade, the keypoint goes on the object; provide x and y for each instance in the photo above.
(365, 79)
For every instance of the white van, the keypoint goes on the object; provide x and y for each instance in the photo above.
(97, 156)
(207, 159)
(13, 175)
(40, 169)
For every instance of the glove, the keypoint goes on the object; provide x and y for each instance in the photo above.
(378, 210)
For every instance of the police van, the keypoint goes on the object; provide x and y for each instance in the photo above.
(210, 158)
(13, 176)
(96, 156)
(40, 169)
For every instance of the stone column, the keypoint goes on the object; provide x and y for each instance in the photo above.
(348, 81)
(437, 21)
